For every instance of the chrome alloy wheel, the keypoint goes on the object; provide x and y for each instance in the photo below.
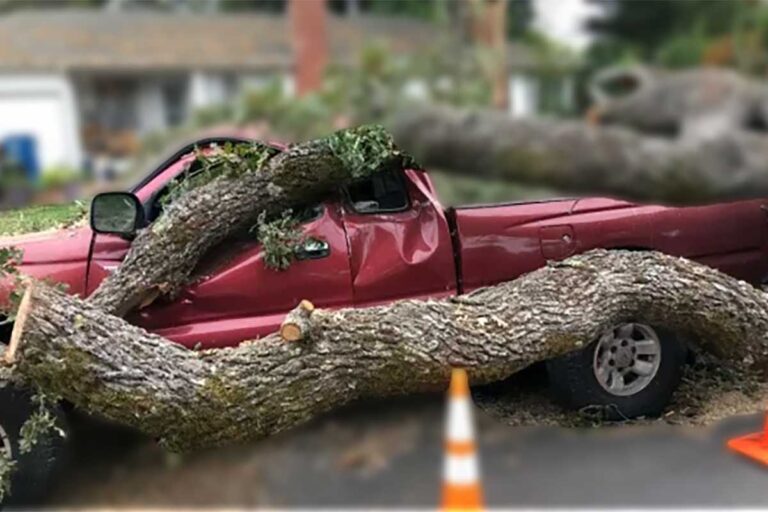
(627, 358)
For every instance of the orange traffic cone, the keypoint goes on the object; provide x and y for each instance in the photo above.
(461, 475)
(754, 446)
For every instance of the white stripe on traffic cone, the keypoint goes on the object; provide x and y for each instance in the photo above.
(461, 474)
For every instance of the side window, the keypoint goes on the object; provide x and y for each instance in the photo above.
(308, 213)
(384, 192)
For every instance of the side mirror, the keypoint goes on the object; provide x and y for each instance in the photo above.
(118, 213)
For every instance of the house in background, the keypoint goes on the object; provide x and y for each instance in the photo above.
(536, 88)
(90, 83)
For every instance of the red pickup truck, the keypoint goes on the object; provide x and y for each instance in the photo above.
(389, 238)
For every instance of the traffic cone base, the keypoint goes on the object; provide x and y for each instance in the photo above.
(461, 475)
(462, 497)
(754, 446)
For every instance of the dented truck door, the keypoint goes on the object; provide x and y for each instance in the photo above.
(399, 241)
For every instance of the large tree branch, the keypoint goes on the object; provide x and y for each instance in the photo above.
(163, 256)
(693, 103)
(104, 365)
(576, 156)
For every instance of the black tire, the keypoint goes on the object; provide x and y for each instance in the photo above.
(33, 472)
(573, 383)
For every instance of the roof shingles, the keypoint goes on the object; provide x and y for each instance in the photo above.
(64, 40)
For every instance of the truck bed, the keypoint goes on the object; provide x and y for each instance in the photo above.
(503, 241)
(500, 242)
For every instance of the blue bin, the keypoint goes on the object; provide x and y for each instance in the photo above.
(22, 149)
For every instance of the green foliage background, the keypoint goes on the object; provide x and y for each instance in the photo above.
(680, 34)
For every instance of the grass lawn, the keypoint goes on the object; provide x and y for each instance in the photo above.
(41, 217)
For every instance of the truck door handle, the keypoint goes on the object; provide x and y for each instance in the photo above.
(313, 249)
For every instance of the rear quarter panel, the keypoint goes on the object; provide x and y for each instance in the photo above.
(728, 236)
(502, 242)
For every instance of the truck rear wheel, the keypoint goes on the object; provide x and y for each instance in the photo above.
(630, 371)
(33, 471)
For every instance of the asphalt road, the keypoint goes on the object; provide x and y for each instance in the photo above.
(387, 453)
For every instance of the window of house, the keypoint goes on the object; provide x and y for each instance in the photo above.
(175, 100)
(384, 192)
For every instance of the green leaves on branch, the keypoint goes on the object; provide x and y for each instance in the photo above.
(234, 159)
(35, 429)
(38, 425)
(362, 151)
(229, 159)
(7, 466)
(366, 149)
(10, 258)
(279, 239)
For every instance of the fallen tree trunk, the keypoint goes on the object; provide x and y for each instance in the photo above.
(579, 157)
(164, 255)
(189, 399)
(703, 102)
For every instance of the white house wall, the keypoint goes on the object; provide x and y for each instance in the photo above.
(207, 89)
(42, 106)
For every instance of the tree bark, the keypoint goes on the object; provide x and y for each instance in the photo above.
(164, 255)
(297, 325)
(583, 158)
(700, 103)
(189, 399)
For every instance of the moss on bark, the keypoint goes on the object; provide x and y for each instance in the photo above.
(196, 398)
